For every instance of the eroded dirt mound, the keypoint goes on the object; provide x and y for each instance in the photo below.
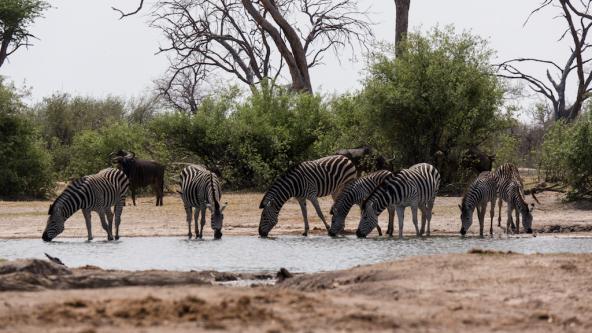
(34, 274)
(556, 228)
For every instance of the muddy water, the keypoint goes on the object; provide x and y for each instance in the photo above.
(252, 254)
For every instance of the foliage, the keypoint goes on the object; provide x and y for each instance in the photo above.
(251, 141)
(567, 155)
(25, 167)
(439, 95)
(16, 16)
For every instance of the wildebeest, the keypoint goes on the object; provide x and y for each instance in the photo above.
(365, 159)
(477, 160)
(141, 173)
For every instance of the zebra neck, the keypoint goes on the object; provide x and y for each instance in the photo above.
(68, 205)
(520, 203)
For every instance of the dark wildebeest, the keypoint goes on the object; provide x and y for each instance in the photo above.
(141, 173)
(365, 159)
(477, 160)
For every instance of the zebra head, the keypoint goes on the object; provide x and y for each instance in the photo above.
(369, 219)
(527, 219)
(337, 222)
(466, 219)
(217, 219)
(55, 223)
(269, 217)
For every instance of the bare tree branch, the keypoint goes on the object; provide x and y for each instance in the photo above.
(129, 13)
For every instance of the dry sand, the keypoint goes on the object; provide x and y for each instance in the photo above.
(26, 219)
(485, 292)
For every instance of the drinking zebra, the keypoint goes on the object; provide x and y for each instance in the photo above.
(307, 180)
(482, 191)
(200, 188)
(97, 193)
(415, 187)
(354, 194)
(505, 174)
(513, 195)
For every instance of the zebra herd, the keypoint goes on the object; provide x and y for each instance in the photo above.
(415, 187)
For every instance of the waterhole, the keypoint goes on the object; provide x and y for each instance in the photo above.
(253, 254)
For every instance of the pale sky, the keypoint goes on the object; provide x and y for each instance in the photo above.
(84, 49)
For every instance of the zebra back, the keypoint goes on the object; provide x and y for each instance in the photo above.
(504, 175)
(199, 187)
(357, 191)
(483, 188)
(99, 191)
(317, 178)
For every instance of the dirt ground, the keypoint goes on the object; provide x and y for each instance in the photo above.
(26, 219)
(475, 292)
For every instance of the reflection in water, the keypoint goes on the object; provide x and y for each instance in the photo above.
(252, 254)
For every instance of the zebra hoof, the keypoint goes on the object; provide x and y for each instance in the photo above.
(90, 238)
(109, 238)
(116, 237)
(305, 234)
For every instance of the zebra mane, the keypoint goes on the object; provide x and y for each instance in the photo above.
(67, 191)
(276, 181)
(392, 175)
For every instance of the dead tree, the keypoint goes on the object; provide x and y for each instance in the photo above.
(256, 40)
(184, 89)
(16, 16)
(401, 22)
(579, 21)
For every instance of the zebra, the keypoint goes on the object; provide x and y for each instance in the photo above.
(482, 191)
(514, 196)
(97, 193)
(307, 180)
(354, 194)
(200, 188)
(504, 175)
(416, 187)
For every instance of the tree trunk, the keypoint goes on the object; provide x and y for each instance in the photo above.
(401, 23)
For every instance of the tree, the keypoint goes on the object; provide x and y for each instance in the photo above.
(25, 166)
(401, 21)
(438, 98)
(255, 40)
(577, 16)
(16, 16)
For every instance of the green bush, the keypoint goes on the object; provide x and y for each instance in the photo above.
(440, 95)
(567, 155)
(25, 167)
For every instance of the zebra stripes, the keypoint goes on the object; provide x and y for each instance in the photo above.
(505, 174)
(482, 191)
(354, 194)
(97, 193)
(200, 188)
(416, 187)
(513, 195)
(307, 180)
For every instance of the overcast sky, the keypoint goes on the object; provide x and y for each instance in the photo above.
(84, 48)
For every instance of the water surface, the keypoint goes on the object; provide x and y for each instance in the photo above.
(253, 254)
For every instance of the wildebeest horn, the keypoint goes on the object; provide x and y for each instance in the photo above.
(133, 155)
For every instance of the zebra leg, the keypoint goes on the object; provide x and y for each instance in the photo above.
(414, 216)
(105, 225)
(302, 202)
(317, 207)
(196, 219)
(509, 211)
(118, 211)
(517, 220)
(188, 213)
(423, 209)
(203, 221)
(86, 214)
(499, 216)
(491, 214)
(379, 230)
(429, 215)
(481, 214)
(401, 216)
(391, 218)
(109, 214)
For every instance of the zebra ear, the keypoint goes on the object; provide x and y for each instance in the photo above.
(264, 204)
(224, 207)
(460, 207)
(531, 207)
(50, 211)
